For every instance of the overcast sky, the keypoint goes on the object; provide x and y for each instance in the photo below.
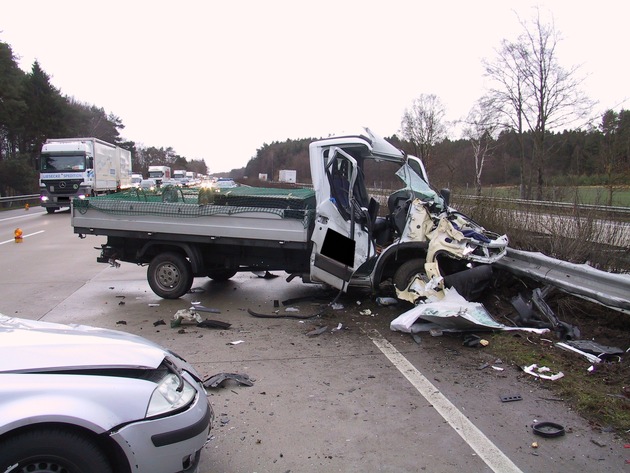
(217, 80)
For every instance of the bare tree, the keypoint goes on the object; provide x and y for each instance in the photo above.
(423, 125)
(535, 91)
(480, 129)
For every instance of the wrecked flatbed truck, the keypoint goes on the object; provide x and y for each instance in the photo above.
(334, 233)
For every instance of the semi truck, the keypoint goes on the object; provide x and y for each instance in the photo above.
(73, 168)
(337, 233)
(159, 173)
(179, 175)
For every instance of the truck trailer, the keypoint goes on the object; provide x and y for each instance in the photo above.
(72, 168)
(338, 233)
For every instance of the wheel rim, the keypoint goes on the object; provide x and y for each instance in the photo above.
(168, 275)
(43, 466)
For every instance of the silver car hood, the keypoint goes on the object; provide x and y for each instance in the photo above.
(30, 345)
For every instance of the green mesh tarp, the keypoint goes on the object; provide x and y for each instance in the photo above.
(173, 201)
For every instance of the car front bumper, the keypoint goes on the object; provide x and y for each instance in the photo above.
(169, 444)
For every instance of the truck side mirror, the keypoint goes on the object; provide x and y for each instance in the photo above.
(446, 195)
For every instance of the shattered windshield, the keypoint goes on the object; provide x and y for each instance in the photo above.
(419, 186)
(65, 163)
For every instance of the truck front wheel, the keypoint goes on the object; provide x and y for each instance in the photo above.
(407, 272)
(170, 275)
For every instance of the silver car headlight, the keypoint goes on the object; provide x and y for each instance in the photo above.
(171, 394)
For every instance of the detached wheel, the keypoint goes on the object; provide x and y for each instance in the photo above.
(170, 275)
(407, 273)
(221, 274)
(52, 451)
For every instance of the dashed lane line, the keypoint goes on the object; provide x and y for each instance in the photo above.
(487, 451)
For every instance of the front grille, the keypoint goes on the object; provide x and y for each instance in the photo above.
(63, 186)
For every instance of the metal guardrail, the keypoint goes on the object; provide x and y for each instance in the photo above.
(610, 210)
(19, 198)
(609, 289)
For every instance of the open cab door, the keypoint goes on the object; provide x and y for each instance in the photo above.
(341, 242)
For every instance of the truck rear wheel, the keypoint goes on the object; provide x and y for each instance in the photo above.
(170, 275)
(51, 210)
(407, 273)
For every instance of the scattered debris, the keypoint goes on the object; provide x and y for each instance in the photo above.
(336, 306)
(365, 312)
(317, 331)
(471, 340)
(201, 308)
(594, 348)
(207, 323)
(539, 372)
(588, 356)
(154, 305)
(511, 397)
(535, 312)
(338, 327)
(282, 316)
(548, 429)
(291, 309)
(185, 316)
(416, 338)
(451, 314)
(218, 379)
(121, 322)
(195, 290)
(237, 342)
(385, 301)
(159, 322)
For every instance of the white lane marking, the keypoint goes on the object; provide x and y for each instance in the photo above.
(487, 451)
(33, 214)
(23, 236)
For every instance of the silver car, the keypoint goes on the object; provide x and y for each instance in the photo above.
(80, 399)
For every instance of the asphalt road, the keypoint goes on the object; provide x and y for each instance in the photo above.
(358, 399)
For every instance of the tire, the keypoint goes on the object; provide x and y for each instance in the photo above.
(51, 210)
(170, 275)
(220, 275)
(407, 272)
(52, 451)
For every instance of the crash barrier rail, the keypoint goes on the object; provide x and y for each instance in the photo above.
(581, 280)
(610, 211)
(11, 200)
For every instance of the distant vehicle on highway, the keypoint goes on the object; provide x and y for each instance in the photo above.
(136, 179)
(80, 399)
(224, 183)
(148, 184)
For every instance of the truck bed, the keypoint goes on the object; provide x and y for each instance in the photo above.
(242, 212)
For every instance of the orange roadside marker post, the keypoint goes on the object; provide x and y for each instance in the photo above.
(26, 207)
(17, 234)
